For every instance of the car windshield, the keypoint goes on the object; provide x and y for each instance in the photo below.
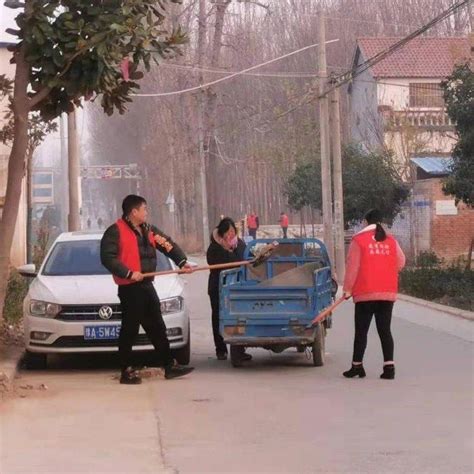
(82, 257)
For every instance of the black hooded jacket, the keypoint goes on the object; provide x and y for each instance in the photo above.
(109, 250)
(217, 254)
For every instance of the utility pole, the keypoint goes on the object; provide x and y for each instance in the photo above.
(325, 144)
(64, 193)
(337, 180)
(200, 124)
(73, 173)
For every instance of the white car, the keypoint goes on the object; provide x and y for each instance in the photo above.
(72, 305)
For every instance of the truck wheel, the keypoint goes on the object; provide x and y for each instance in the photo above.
(236, 356)
(36, 360)
(319, 346)
(183, 354)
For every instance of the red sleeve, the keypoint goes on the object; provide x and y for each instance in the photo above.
(352, 266)
(401, 260)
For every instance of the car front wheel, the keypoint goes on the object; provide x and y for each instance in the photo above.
(183, 354)
(36, 361)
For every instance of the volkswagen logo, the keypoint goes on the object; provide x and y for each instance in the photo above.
(105, 312)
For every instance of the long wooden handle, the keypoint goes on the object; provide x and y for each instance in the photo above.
(219, 266)
(325, 313)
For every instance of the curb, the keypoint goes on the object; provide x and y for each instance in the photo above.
(460, 313)
(10, 358)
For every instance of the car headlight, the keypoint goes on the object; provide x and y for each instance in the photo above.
(44, 309)
(172, 305)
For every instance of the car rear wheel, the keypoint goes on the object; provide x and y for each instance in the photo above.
(36, 361)
(236, 356)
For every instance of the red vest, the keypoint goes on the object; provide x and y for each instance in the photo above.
(284, 220)
(129, 255)
(378, 271)
(252, 221)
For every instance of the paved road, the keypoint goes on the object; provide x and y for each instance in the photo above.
(278, 414)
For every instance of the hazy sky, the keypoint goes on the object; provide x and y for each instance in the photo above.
(7, 16)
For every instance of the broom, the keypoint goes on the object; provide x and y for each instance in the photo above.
(263, 255)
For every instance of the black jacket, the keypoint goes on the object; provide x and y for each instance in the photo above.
(109, 251)
(217, 254)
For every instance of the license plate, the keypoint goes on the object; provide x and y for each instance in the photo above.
(101, 332)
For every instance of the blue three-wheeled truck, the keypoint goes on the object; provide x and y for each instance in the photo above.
(272, 305)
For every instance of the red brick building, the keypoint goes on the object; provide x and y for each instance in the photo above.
(451, 226)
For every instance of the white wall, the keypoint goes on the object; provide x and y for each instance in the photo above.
(396, 92)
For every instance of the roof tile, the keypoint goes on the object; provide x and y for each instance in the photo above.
(422, 57)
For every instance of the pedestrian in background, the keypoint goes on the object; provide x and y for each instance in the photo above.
(284, 221)
(374, 261)
(128, 250)
(225, 247)
(253, 224)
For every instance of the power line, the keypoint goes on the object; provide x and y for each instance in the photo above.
(351, 74)
(282, 74)
(231, 76)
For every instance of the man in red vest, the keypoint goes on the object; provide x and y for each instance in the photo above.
(128, 250)
(252, 224)
(284, 221)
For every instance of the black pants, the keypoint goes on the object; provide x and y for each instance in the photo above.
(253, 233)
(363, 317)
(141, 306)
(285, 232)
(218, 339)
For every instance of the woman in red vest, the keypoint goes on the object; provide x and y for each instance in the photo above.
(373, 263)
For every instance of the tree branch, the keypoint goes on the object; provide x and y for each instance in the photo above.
(38, 97)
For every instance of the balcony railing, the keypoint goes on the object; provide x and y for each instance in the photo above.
(428, 119)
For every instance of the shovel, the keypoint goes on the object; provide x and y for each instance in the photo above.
(325, 313)
(263, 255)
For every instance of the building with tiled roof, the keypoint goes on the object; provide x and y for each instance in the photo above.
(397, 104)
(420, 58)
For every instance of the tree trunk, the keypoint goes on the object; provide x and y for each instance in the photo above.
(16, 171)
(29, 206)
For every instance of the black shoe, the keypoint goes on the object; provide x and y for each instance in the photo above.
(130, 377)
(355, 371)
(246, 357)
(221, 355)
(174, 371)
(388, 372)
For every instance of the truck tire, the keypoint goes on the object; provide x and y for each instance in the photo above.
(319, 346)
(36, 361)
(236, 356)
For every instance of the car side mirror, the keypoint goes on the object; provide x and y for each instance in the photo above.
(28, 270)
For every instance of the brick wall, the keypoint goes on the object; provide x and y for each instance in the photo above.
(450, 234)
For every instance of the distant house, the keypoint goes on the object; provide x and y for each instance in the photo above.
(398, 103)
(18, 253)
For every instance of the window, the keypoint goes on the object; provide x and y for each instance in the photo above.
(43, 178)
(82, 257)
(42, 192)
(426, 94)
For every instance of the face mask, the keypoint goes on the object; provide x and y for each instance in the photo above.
(232, 242)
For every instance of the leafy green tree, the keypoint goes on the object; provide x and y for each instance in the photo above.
(303, 187)
(70, 50)
(369, 180)
(459, 98)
